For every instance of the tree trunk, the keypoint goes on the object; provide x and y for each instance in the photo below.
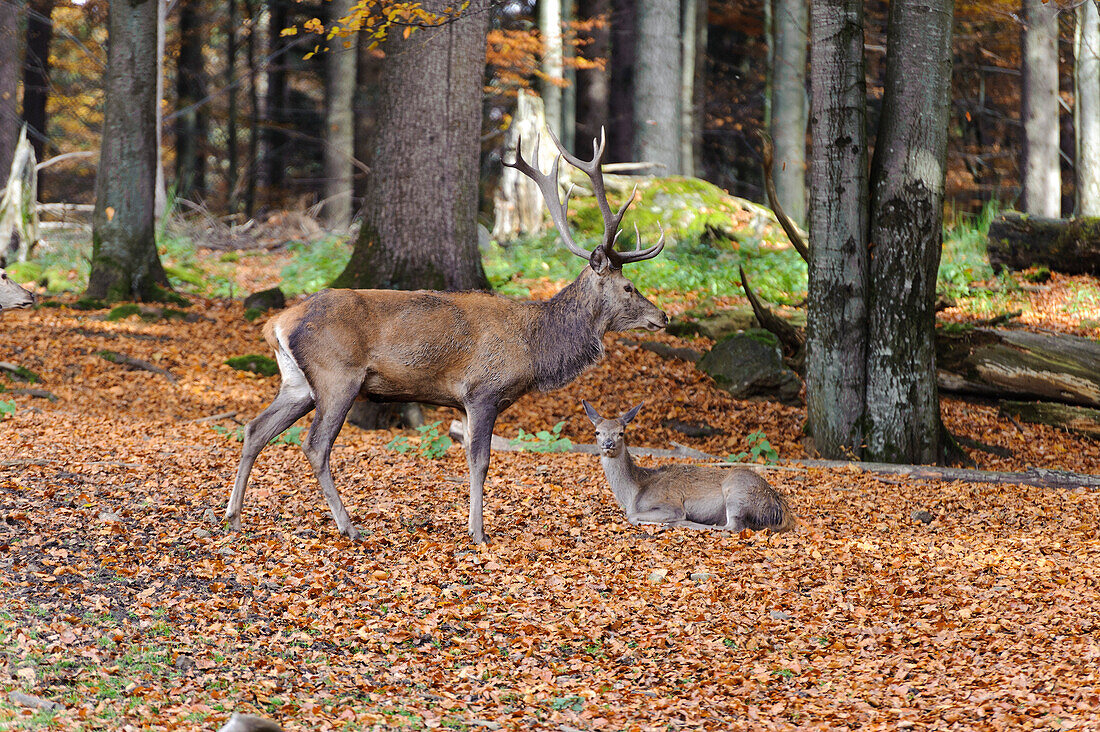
(1070, 246)
(1020, 364)
(620, 143)
(788, 105)
(593, 84)
(125, 264)
(907, 181)
(272, 133)
(517, 204)
(160, 190)
(368, 67)
(569, 91)
(550, 83)
(689, 18)
(36, 73)
(1041, 177)
(836, 342)
(232, 171)
(699, 103)
(19, 205)
(192, 127)
(339, 143)
(10, 43)
(255, 112)
(1086, 108)
(419, 217)
(1079, 420)
(657, 85)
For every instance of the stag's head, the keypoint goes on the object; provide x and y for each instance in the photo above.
(615, 297)
(12, 295)
(610, 433)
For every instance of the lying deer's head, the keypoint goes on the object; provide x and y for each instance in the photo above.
(610, 432)
(12, 295)
(615, 298)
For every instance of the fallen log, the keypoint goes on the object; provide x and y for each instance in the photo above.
(1070, 246)
(1019, 364)
(1079, 420)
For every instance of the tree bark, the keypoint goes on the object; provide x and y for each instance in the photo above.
(593, 84)
(1070, 246)
(419, 218)
(125, 264)
(620, 143)
(36, 73)
(788, 105)
(339, 143)
(232, 169)
(657, 85)
(1041, 192)
(1079, 420)
(368, 67)
(699, 103)
(552, 71)
(160, 191)
(907, 187)
(689, 18)
(1086, 108)
(10, 45)
(272, 134)
(192, 127)
(836, 346)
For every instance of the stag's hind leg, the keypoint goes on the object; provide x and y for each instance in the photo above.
(291, 403)
(332, 408)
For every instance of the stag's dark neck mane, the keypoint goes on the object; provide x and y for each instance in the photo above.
(566, 335)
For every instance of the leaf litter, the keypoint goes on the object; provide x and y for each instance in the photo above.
(124, 599)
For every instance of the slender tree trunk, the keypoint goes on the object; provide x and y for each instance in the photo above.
(592, 84)
(657, 85)
(699, 102)
(1086, 107)
(192, 127)
(272, 135)
(569, 92)
(10, 44)
(36, 73)
(339, 143)
(232, 171)
(125, 264)
(160, 192)
(254, 109)
(1041, 184)
(836, 345)
(620, 143)
(420, 213)
(550, 85)
(788, 106)
(689, 19)
(907, 182)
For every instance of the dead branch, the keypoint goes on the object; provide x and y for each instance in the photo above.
(136, 363)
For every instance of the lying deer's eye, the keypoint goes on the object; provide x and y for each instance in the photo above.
(628, 288)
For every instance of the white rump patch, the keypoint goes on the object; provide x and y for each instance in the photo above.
(294, 379)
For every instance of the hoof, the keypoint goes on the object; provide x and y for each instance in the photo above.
(352, 533)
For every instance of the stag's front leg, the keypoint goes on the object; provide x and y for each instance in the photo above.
(480, 420)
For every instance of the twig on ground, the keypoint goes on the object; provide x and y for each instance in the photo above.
(136, 363)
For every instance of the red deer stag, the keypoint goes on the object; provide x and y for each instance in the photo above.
(473, 351)
(12, 295)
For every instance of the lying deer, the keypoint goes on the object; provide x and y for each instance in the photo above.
(692, 496)
(12, 295)
(473, 351)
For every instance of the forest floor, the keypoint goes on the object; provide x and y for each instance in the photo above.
(123, 598)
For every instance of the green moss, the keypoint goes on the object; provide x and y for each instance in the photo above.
(89, 303)
(229, 257)
(23, 272)
(255, 363)
(251, 314)
(170, 313)
(122, 312)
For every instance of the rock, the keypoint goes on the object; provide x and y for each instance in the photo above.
(923, 516)
(779, 615)
(750, 364)
(30, 700)
(201, 534)
(700, 576)
(185, 662)
(715, 326)
(658, 576)
(26, 675)
(110, 517)
(272, 299)
(249, 723)
(210, 516)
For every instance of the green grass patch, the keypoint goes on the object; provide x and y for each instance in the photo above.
(315, 265)
(254, 362)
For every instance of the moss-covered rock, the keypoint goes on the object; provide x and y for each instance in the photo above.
(271, 299)
(750, 365)
(121, 312)
(257, 364)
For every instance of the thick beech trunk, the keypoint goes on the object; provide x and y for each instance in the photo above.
(419, 226)
(836, 344)
(1070, 246)
(907, 183)
(789, 105)
(657, 82)
(1041, 176)
(125, 264)
(10, 43)
(593, 84)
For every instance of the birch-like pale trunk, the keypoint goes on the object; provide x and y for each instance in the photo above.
(160, 191)
(657, 85)
(836, 346)
(789, 105)
(339, 136)
(689, 18)
(550, 85)
(902, 423)
(1041, 192)
(1086, 107)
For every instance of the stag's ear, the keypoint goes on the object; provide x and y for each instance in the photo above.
(632, 413)
(599, 261)
(592, 413)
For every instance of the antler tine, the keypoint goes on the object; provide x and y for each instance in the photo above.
(548, 185)
(638, 256)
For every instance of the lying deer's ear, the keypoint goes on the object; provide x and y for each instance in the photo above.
(632, 413)
(599, 262)
(592, 413)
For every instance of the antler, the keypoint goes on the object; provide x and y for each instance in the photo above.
(548, 184)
